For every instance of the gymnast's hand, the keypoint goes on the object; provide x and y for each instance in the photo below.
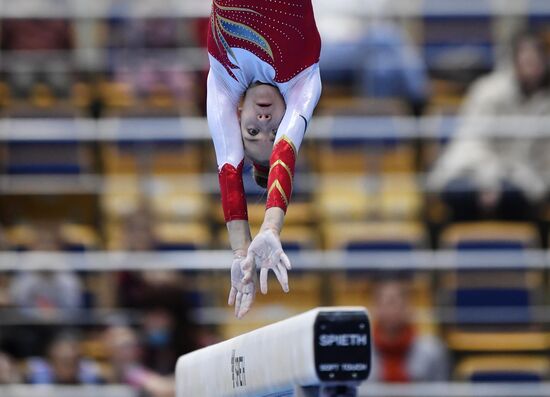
(243, 285)
(266, 253)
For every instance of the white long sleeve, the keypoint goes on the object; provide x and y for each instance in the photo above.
(221, 107)
(301, 97)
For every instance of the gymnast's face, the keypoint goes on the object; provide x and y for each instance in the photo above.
(261, 113)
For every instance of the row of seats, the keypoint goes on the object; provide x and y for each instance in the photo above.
(119, 99)
(492, 320)
(333, 159)
(99, 99)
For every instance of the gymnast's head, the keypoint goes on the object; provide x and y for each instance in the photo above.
(260, 114)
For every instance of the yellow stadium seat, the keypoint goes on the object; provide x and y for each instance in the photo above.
(5, 95)
(121, 197)
(177, 235)
(343, 160)
(502, 341)
(363, 106)
(180, 199)
(518, 234)
(373, 235)
(118, 161)
(508, 368)
(300, 237)
(161, 97)
(117, 95)
(532, 280)
(22, 236)
(164, 158)
(42, 96)
(176, 158)
(343, 198)
(79, 237)
(400, 158)
(400, 198)
(114, 235)
(81, 95)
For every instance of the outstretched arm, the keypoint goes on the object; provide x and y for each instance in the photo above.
(266, 251)
(301, 99)
(222, 101)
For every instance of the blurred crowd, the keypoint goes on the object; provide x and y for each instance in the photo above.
(143, 356)
(493, 165)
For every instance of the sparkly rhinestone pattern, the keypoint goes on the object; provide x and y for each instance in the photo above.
(280, 33)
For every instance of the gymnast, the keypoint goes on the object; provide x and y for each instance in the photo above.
(263, 85)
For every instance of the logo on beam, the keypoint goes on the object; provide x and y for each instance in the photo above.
(238, 372)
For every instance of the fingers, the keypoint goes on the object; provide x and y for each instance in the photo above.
(238, 303)
(282, 276)
(246, 304)
(285, 261)
(247, 268)
(263, 280)
(232, 295)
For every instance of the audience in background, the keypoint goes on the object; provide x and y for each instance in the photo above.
(37, 53)
(163, 298)
(5, 300)
(39, 295)
(63, 365)
(483, 175)
(168, 331)
(392, 66)
(8, 370)
(125, 358)
(3, 242)
(400, 352)
(479, 176)
(379, 57)
(143, 54)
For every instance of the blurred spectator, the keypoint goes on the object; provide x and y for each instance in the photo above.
(38, 53)
(162, 295)
(8, 370)
(392, 67)
(143, 54)
(400, 353)
(43, 295)
(168, 329)
(3, 240)
(64, 364)
(127, 367)
(375, 52)
(482, 175)
(4, 290)
(45, 291)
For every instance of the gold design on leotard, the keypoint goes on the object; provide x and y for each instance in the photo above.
(287, 140)
(284, 165)
(277, 185)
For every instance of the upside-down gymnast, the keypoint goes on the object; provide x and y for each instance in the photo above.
(263, 86)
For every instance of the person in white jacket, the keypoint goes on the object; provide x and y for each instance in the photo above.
(498, 161)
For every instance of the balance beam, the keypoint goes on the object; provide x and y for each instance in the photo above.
(323, 352)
